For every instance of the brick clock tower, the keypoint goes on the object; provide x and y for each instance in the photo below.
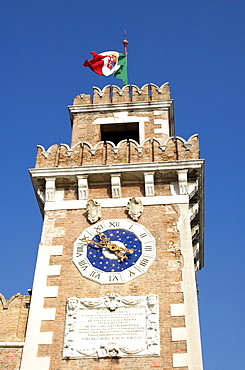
(122, 239)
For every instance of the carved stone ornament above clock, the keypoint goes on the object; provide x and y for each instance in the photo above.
(94, 210)
(135, 208)
(114, 251)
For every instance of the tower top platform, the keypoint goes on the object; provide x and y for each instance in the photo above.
(113, 110)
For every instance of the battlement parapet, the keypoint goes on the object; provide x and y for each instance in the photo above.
(128, 93)
(107, 153)
(13, 317)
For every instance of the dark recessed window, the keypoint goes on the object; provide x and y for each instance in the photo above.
(120, 131)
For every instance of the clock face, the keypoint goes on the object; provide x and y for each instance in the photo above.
(114, 251)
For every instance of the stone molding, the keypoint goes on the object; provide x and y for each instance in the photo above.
(118, 167)
(117, 202)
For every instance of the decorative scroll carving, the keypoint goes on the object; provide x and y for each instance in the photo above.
(135, 208)
(94, 210)
(112, 326)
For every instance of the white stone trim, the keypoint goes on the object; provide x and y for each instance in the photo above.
(158, 112)
(37, 312)
(11, 344)
(45, 337)
(191, 332)
(179, 334)
(181, 360)
(117, 202)
(177, 309)
(164, 126)
(53, 270)
(51, 292)
(48, 314)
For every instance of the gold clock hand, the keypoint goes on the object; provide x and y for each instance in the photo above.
(113, 247)
(92, 242)
(121, 256)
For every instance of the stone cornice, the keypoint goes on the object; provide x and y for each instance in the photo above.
(115, 203)
(139, 105)
(124, 167)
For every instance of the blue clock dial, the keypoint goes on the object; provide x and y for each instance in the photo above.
(105, 260)
(114, 251)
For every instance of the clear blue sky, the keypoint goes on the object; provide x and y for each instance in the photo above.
(198, 46)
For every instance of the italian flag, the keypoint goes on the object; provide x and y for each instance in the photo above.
(107, 63)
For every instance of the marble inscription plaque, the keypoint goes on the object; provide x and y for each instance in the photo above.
(112, 326)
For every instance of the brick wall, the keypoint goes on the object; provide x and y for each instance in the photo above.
(13, 316)
(10, 358)
(13, 320)
(163, 278)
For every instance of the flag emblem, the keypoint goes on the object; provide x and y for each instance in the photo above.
(108, 63)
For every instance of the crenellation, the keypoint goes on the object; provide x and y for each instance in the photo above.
(160, 93)
(102, 96)
(13, 315)
(140, 94)
(151, 150)
(128, 93)
(121, 94)
(82, 99)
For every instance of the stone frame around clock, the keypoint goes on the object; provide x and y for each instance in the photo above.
(102, 277)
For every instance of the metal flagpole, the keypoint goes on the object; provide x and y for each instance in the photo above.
(125, 45)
